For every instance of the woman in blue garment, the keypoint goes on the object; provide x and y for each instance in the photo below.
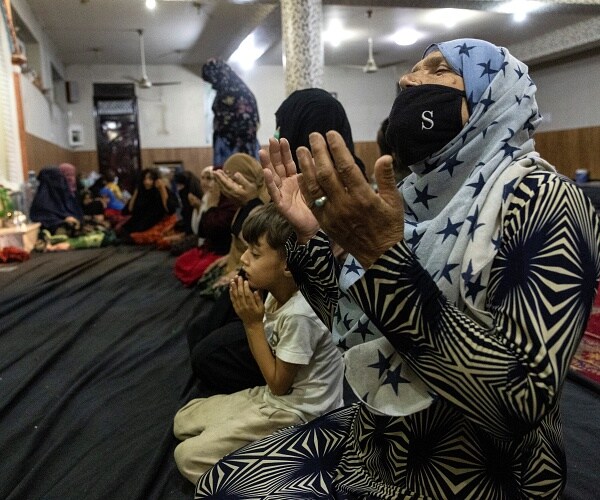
(460, 305)
(236, 119)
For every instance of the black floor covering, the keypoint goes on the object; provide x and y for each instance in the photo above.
(93, 367)
(94, 364)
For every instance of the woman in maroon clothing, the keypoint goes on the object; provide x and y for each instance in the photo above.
(214, 234)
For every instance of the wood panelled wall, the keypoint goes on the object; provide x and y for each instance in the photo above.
(568, 150)
(193, 159)
(41, 153)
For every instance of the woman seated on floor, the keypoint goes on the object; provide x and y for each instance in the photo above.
(151, 209)
(243, 168)
(189, 190)
(57, 207)
(210, 222)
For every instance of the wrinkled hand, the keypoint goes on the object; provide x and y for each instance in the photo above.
(282, 180)
(248, 305)
(364, 223)
(236, 187)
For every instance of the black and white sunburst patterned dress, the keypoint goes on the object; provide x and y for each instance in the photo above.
(458, 338)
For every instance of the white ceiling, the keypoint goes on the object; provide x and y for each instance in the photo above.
(186, 32)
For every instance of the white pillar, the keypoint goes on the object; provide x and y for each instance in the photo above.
(301, 23)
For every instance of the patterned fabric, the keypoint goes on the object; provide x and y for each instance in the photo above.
(154, 234)
(484, 302)
(454, 203)
(301, 34)
(494, 430)
(236, 117)
(262, 471)
(486, 60)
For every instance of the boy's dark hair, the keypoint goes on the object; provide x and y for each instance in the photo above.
(110, 175)
(267, 221)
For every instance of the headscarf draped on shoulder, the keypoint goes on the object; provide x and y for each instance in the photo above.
(313, 110)
(467, 185)
(455, 203)
(54, 201)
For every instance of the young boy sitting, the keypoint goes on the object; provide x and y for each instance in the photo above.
(293, 348)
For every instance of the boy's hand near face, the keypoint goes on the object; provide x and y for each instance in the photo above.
(248, 305)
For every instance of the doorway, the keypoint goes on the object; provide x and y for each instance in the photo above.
(117, 132)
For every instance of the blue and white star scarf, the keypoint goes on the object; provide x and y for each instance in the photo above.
(455, 202)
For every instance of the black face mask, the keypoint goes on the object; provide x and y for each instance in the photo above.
(423, 120)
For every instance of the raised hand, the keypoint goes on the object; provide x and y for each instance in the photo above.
(281, 178)
(363, 222)
(236, 187)
(213, 195)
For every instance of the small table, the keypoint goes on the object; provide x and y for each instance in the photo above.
(20, 236)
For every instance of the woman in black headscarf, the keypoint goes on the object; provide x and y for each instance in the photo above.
(187, 182)
(236, 118)
(56, 204)
(152, 203)
(312, 110)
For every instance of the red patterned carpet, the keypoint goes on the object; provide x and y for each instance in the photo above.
(586, 361)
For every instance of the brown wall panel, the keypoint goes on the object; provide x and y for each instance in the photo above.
(193, 159)
(569, 150)
(86, 161)
(41, 153)
(368, 152)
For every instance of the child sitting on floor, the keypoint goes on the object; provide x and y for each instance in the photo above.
(292, 347)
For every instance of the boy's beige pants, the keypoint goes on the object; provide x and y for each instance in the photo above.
(211, 428)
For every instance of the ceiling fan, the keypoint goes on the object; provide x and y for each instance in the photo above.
(371, 66)
(144, 82)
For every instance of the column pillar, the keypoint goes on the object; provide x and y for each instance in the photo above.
(301, 22)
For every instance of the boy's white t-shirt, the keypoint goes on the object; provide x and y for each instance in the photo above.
(296, 335)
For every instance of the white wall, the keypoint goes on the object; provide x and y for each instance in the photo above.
(569, 94)
(367, 98)
(186, 107)
(47, 53)
(43, 118)
(179, 116)
(181, 125)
